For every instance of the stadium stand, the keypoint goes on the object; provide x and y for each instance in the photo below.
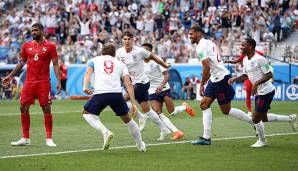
(84, 25)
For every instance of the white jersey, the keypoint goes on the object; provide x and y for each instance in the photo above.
(108, 72)
(255, 69)
(154, 72)
(206, 49)
(134, 61)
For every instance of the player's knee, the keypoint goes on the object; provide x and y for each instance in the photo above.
(256, 119)
(46, 109)
(24, 109)
(225, 111)
(204, 105)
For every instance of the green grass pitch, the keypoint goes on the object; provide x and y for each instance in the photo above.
(79, 145)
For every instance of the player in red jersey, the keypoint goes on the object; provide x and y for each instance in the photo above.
(247, 84)
(37, 54)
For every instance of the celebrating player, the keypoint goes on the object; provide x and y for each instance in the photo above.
(108, 92)
(38, 54)
(257, 70)
(134, 57)
(217, 87)
(247, 84)
(160, 92)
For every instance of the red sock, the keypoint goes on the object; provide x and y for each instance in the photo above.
(25, 118)
(248, 101)
(48, 124)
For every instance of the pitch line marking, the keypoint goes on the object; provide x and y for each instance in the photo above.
(133, 146)
(38, 113)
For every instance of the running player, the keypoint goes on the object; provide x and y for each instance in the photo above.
(247, 84)
(108, 73)
(217, 87)
(134, 57)
(160, 92)
(257, 69)
(37, 54)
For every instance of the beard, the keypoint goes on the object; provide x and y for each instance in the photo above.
(36, 37)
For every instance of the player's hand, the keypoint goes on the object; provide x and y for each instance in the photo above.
(254, 89)
(133, 109)
(58, 88)
(159, 89)
(231, 80)
(6, 81)
(167, 65)
(88, 91)
(202, 90)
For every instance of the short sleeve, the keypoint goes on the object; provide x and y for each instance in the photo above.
(53, 52)
(201, 53)
(144, 53)
(264, 65)
(90, 63)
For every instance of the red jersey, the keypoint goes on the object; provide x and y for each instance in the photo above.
(63, 71)
(241, 57)
(38, 57)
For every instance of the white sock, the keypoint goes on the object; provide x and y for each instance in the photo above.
(155, 119)
(178, 109)
(139, 115)
(167, 122)
(207, 122)
(260, 130)
(239, 114)
(134, 130)
(95, 122)
(277, 118)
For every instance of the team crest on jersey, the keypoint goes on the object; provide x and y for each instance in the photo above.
(30, 48)
(122, 59)
(201, 55)
(44, 49)
(134, 57)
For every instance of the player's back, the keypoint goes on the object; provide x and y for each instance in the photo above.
(207, 49)
(108, 72)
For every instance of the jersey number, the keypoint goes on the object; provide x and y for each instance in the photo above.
(108, 66)
(36, 57)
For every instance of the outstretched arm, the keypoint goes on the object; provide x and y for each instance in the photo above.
(157, 60)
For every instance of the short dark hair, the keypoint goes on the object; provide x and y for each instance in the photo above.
(148, 45)
(127, 33)
(109, 49)
(251, 42)
(38, 25)
(196, 28)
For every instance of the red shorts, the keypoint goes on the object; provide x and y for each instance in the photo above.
(40, 90)
(247, 85)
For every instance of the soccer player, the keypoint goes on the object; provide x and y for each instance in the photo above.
(134, 57)
(37, 54)
(247, 84)
(108, 73)
(217, 87)
(257, 69)
(160, 92)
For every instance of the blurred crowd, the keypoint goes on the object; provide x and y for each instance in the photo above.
(80, 27)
